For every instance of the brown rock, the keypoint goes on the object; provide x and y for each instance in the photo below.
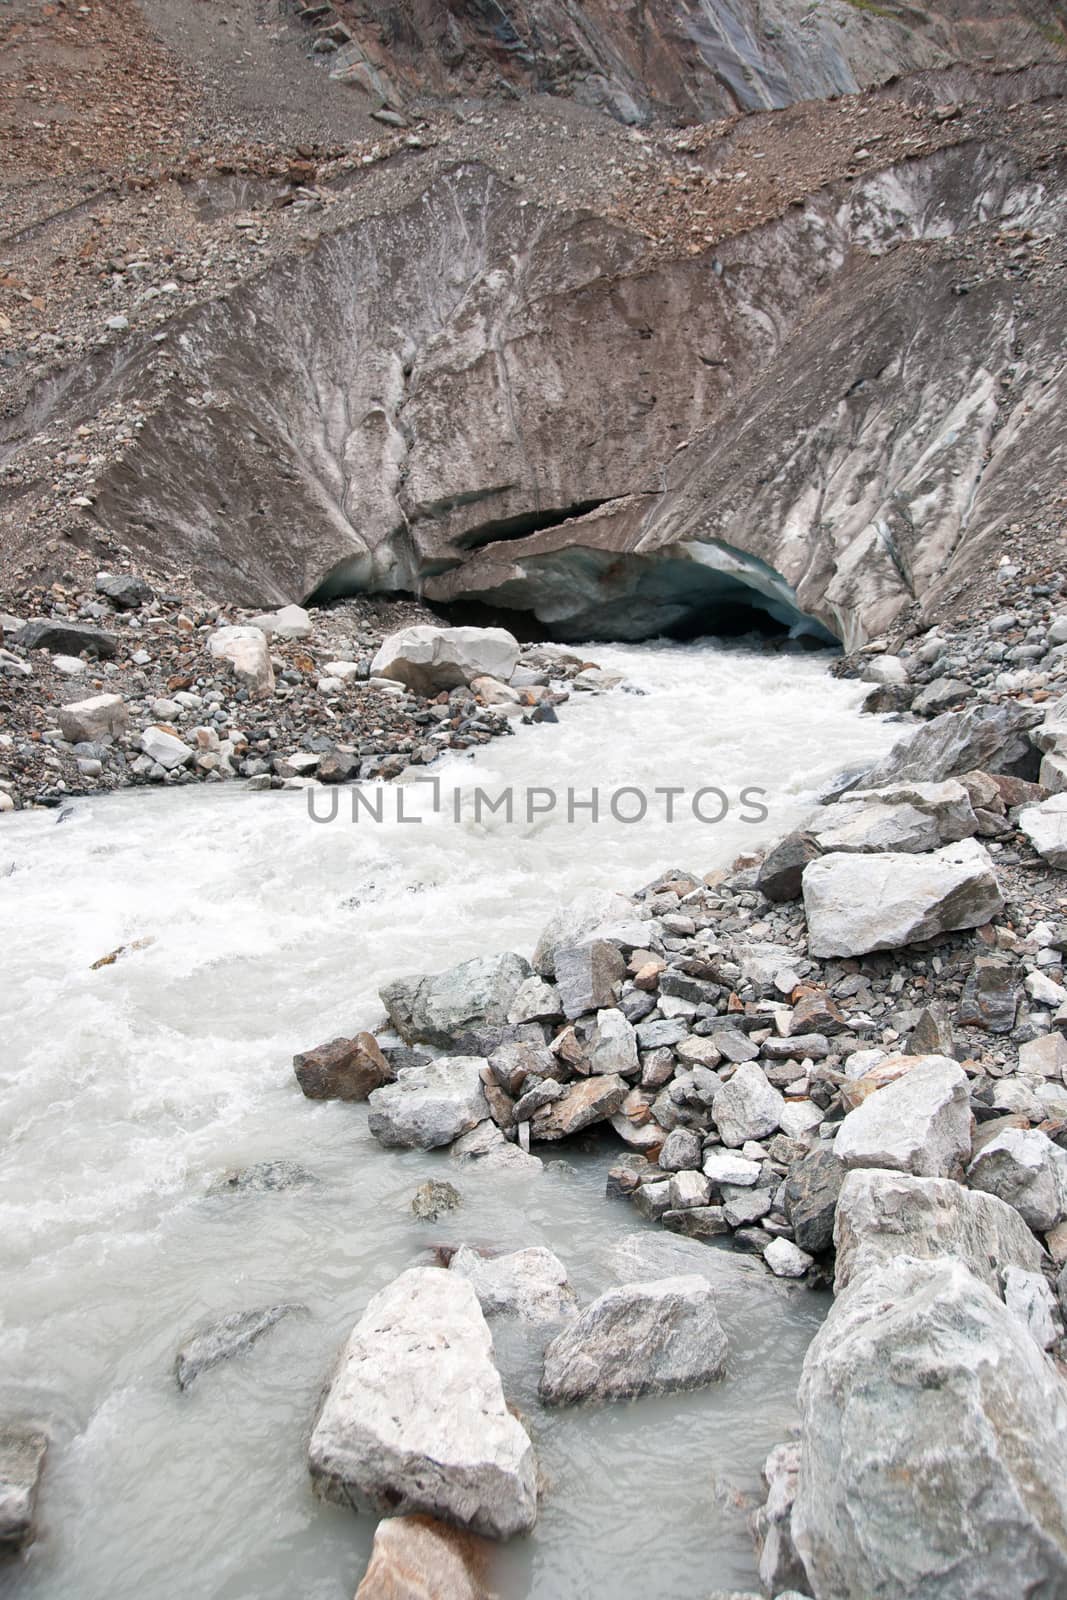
(583, 1103)
(344, 1069)
(817, 1012)
(417, 1558)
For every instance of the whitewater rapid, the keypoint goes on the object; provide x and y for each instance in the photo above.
(252, 931)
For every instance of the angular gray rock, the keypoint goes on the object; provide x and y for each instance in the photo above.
(920, 1123)
(1046, 828)
(224, 1339)
(441, 1008)
(124, 591)
(431, 1105)
(429, 659)
(639, 1338)
(531, 1283)
(858, 903)
(97, 720)
(576, 922)
(933, 1443)
(22, 1456)
(1023, 1168)
(747, 1107)
(982, 738)
(881, 1215)
(1031, 1301)
(415, 1419)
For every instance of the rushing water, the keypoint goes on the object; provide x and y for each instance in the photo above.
(127, 1090)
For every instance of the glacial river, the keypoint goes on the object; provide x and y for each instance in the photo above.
(126, 1092)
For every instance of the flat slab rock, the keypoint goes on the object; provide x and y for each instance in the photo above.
(22, 1455)
(415, 1419)
(858, 903)
(934, 1435)
(224, 1339)
(640, 1338)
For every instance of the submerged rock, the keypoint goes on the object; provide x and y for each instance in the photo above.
(225, 1338)
(22, 1456)
(419, 1558)
(415, 1419)
(859, 903)
(933, 1443)
(530, 1283)
(639, 1338)
(265, 1177)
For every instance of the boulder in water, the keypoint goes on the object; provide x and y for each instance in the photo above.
(22, 1455)
(415, 1420)
(431, 1105)
(444, 1008)
(419, 1558)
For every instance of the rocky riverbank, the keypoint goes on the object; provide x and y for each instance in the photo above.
(847, 1057)
(109, 681)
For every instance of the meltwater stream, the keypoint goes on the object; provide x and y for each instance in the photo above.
(126, 1091)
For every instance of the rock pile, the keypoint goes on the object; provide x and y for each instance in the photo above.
(127, 686)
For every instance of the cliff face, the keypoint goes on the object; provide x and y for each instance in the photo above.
(477, 398)
(624, 417)
(697, 59)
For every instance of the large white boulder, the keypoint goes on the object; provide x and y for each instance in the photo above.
(247, 654)
(429, 659)
(639, 1338)
(1046, 828)
(415, 1418)
(431, 1105)
(920, 1123)
(1023, 1167)
(856, 903)
(933, 1445)
(885, 1214)
(97, 720)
